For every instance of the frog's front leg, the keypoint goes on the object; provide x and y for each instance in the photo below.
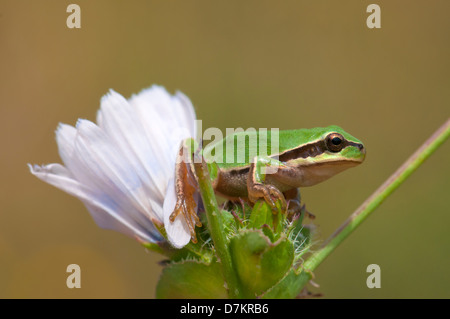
(186, 188)
(257, 184)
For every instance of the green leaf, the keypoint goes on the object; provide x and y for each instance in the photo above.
(259, 263)
(261, 215)
(191, 280)
(229, 223)
(269, 233)
(289, 287)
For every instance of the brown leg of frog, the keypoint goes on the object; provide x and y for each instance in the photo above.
(185, 188)
(294, 206)
(262, 185)
(259, 186)
(270, 194)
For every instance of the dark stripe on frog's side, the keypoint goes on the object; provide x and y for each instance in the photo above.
(311, 150)
(308, 150)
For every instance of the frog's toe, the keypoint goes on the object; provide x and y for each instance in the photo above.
(270, 194)
(186, 208)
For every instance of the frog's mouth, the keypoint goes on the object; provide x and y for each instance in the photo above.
(320, 171)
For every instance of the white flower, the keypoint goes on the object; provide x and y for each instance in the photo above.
(123, 168)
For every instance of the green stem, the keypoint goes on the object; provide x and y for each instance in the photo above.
(216, 230)
(391, 184)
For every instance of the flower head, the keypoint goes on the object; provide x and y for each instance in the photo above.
(123, 167)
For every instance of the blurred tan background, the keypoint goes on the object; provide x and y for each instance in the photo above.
(286, 64)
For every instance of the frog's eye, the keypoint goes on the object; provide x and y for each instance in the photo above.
(335, 142)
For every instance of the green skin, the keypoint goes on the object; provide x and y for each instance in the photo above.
(305, 157)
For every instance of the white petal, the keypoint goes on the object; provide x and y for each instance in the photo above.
(105, 217)
(165, 120)
(65, 138)
(178, 231)
(121, 124)
(104, 167)
(58, 176)
(156, 127)
(188, 113)
(102, 208)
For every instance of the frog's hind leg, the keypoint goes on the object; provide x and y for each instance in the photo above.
(186, 188)
(294, 206)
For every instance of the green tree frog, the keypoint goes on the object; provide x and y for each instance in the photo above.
(304, 158)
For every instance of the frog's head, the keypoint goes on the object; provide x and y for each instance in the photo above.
(340, 146)
(329, 151)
